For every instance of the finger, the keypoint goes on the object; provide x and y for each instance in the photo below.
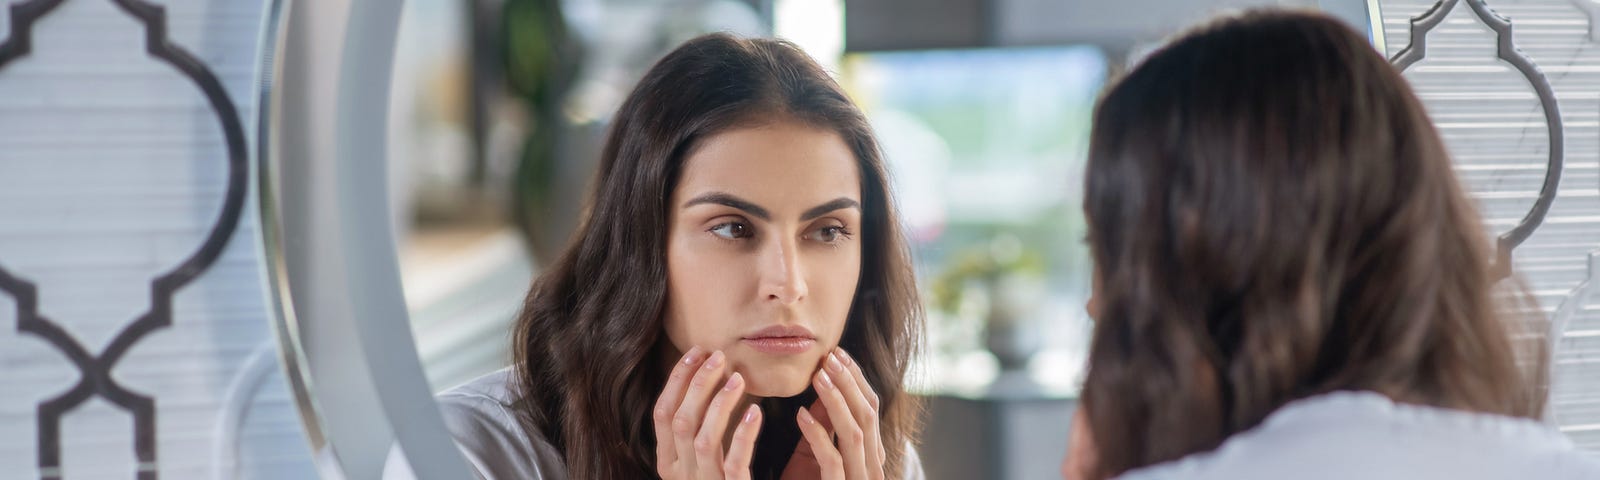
(859, 376)
(852, 440)
(871, 420)
(686, 421)
(708, 443)
(802, 450)
(737, 464)
(816, 436)
(855, 390)
(872, 399)
(820, 412)
(667, 405)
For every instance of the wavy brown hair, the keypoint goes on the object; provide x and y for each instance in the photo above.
(589, 343)
(1273, 216)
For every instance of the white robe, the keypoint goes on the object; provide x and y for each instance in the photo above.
(479, 417)
(1365, 435)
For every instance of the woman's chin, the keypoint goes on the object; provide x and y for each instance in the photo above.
(784, 376)
(777, 384)
(776, 389)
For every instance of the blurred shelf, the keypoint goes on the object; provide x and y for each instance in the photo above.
(463, 288)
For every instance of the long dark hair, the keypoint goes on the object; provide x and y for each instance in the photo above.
(1273, 216)
(589, 341)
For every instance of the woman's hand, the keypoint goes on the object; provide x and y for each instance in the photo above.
(691, 418)
(1081, 453)
(847, 407)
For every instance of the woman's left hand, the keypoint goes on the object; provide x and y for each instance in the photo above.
(1081, 452)
(859, 453)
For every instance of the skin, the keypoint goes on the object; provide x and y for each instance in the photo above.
(1080, 450)
(763, 234)
(1080, 445)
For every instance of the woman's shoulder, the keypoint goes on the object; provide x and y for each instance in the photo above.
(491, 393)
(481, 419)
(1367, 435)
(913, 464)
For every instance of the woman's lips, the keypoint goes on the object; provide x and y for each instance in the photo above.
(780, 340)
(780, 345)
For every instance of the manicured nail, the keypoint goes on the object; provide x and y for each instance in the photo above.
(750, 414)
(693, 355)
(806, 417)
(715, 360)
(823, 381)
(733, 382)
(843, 356)
(833, 362)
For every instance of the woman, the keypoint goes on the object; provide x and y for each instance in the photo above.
(738, 303)
(1290, 280)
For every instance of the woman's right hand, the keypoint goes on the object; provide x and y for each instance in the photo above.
(692, 415)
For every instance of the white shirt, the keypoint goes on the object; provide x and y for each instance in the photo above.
(1366, 435)
(479, 417)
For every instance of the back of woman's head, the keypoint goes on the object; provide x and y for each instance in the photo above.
(1273, 216)
(589, 345)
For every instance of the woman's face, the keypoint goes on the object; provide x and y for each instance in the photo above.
(764, 251)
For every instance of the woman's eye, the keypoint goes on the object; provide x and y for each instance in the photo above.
(731, 230)
(830, 234)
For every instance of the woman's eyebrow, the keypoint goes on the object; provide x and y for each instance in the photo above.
(730, 200)
(721, 198)
(835, 204)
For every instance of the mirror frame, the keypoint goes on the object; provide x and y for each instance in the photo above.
(327, 237)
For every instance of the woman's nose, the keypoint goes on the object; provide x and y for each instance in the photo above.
(783, 279)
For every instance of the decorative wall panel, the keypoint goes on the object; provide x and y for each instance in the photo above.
(1514, 87)
(135, 339)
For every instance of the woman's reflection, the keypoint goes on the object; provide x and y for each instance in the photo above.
(738, 303)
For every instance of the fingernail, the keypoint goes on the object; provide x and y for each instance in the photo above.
(833, 362)
(733, 382)
(750, 414)
(823, 381)
(693, 355)
(715, 360)
(843, 355)
(805, 416)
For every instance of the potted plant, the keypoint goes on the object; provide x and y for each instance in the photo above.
(1006, 281)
